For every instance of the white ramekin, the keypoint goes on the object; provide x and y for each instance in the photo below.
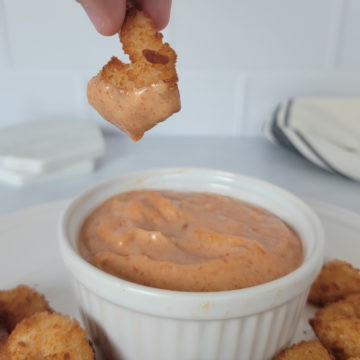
(132, 321)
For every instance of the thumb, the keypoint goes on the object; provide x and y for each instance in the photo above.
(106, 15)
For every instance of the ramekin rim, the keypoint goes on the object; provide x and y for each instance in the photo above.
(309, 266)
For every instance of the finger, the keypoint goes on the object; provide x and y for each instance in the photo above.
(106, 15)
(159, 11)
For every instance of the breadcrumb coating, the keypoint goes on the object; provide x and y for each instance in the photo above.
(336, 280)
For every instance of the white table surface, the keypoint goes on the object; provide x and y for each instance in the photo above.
(250, 156)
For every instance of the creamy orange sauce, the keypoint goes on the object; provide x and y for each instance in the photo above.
(188, 241)
(136, 111)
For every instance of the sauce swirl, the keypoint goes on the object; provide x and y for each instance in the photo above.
(188, 241)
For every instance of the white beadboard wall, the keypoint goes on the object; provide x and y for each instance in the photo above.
(237, 59)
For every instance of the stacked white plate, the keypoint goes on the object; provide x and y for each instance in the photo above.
(43, 150)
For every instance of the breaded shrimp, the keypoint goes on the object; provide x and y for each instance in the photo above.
(336, 280)
(3, 338)
(48, 336)
(305, 350)
(19, 303)
(136, 96)
(337, 325)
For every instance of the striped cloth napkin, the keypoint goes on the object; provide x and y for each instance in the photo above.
(326, 131)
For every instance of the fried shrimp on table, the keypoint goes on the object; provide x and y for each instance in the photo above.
(19, 303)
(136, 96)
(305, 350)
(336, 280)
(337, 326)
(30, 330)
(48, 336)
(15, 305)
(3, 338)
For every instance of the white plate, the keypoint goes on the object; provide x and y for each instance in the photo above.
(29, 253)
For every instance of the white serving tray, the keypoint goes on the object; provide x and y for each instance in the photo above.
(29, 252)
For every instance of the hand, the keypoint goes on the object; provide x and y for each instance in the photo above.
(108, 15)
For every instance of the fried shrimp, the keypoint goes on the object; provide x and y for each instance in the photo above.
(30, 330)
(3, 356)
(136, 96)
(48, 336)
(3, 338)
(305, 350)
(19, 303)
(337, 325)
(336, 280)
